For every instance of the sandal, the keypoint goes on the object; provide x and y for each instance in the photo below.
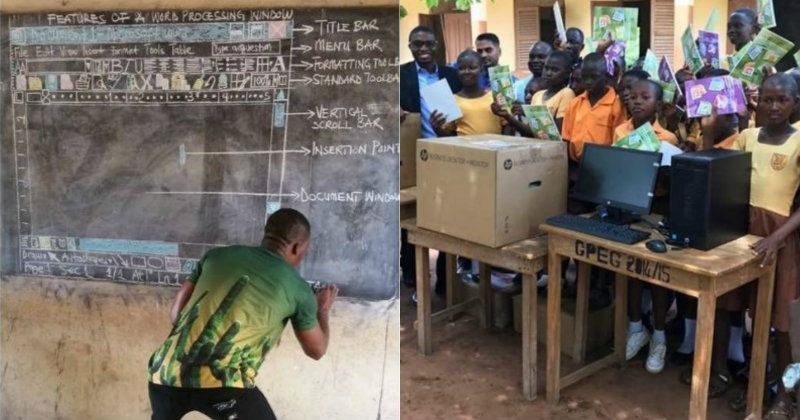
(781, 410)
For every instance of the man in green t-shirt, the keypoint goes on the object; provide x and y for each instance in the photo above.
(229, 313)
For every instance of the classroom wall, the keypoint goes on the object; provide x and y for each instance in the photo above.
(500, 21)
(79, 350)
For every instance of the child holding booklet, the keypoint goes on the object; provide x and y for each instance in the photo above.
(644, 102)
(557, 94)
(473, 100)
(556, 97)
(775, 181)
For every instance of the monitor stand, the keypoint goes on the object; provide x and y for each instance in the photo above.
(616, 215)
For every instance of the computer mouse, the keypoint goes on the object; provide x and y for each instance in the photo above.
(656, 245)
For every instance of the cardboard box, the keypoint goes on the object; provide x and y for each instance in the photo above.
(490, 189)
(410, 131)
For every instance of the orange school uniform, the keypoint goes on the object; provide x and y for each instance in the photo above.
(663, 135)
(728, 142)
(584, 123)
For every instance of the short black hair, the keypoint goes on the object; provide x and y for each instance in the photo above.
(469, 52)
(575, 31)
(637, 73)
(565, 56)
(783, 81)
(595, 59)
(718, 72)
(285, 227)
(795, 74)
(750, 14)
(658, 90)
(546, 44)
(420, 29)
(488, 36)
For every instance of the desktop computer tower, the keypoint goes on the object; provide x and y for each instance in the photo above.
(709, 197)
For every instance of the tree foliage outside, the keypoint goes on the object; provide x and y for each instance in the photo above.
(460, 5)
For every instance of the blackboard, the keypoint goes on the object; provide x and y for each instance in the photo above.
(133, 142)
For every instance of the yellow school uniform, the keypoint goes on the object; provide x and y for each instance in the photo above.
(776, 171)
(477, 116)
(557, 104)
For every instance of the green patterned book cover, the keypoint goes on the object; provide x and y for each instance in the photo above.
(643, 138)
(502, 89)
(619, 21)
(690, 52)
(765, 50)
(650, 64)
(541, 122)
(766, 14)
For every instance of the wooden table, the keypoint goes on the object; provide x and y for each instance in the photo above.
(408, 203)
(704, 275)
(526, 257)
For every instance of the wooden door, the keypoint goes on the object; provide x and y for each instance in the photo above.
(457, 29)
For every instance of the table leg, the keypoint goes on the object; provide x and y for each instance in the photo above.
(487, 297)
(529, 302)
(424, 343)
(620, 315)
(581, 312)
(450, 278)
(758, 364)
(553, 327)
(701, 370)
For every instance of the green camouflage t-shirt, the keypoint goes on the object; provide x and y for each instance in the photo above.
(242, 299)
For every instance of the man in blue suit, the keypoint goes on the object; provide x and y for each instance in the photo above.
(415, 75)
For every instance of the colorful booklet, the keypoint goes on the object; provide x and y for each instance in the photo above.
(619, 21)
(502, 86)
(541, 122)
(615, 52)
(690, 52)
(713, 18)
(721, 93)
(708, 46)
(765, 50)
(632, 47)
(650, 64)
(642, 138)
(797, 58)
(766, 14)
(735, 57)
(668, 82)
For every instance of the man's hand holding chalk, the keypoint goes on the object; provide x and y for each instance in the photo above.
(325, 296)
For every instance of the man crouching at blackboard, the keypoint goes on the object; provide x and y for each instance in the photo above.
(228, 314)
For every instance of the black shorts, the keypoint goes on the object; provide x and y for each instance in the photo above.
(172, 403)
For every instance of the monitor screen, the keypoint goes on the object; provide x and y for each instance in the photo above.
(617, 177)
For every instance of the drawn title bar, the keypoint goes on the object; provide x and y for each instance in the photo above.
(118, 34)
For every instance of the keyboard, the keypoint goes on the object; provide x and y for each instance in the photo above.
(598, 228)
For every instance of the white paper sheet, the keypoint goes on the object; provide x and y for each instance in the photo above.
(667, 152)
(439, 97)
(562, 32)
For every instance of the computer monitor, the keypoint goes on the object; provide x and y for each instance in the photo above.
(618, 178)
